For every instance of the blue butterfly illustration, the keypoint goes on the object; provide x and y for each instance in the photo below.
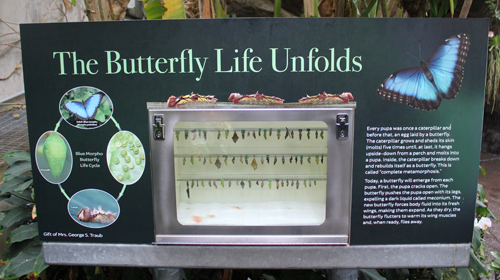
(424, 86)
(85, 110)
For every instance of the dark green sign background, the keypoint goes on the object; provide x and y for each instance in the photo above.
(373, 48)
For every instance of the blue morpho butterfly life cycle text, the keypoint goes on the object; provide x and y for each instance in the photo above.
(281, 60)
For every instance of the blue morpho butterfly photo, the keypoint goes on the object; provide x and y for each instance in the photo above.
(85, 110)
(424, 86)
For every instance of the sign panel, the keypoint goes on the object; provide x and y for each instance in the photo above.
(418, 123)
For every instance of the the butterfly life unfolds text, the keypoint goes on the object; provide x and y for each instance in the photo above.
(424, 86)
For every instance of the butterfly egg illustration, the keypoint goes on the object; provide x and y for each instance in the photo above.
(54, 150)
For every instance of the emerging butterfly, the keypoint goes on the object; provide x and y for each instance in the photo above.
(85, 110)
(439, 77)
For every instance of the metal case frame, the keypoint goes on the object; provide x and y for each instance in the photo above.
(335, 229)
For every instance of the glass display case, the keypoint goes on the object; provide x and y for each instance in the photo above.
(226, 174)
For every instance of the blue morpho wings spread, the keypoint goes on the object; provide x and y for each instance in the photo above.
(85, 110)
(439, 77)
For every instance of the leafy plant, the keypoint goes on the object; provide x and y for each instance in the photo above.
(24, 255)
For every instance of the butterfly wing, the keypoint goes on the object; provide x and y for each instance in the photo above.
(447, 62)
(439, 77)
(91, 105)
(78, 109)
(410, 86)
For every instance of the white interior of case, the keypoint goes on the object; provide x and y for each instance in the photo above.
(216, 183)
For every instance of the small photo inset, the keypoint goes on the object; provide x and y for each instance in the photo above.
(126, 158)
(53, 157)
(93, 208)
(86, 107)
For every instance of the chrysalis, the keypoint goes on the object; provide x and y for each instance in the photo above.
(54, 150)
(217, 163)
(235, 137)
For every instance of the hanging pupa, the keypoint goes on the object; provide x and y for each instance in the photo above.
(218, 135)
(184, 161)
(270, 132)
(235, 137)
(317, 159)
(254, 136)
(316, 134)
(177, 132)
(187, 191)
(192, 159)
(209, 183)
(202, 183)
(260, 131)
(205, 135)
(277, 184)
(300, 134)
(267, 159)
(194, 133)
(243, 133)
(217, 163)
(275, 160)
(215, 184)
(225, 160)
(283, 159)
(262, 160)
(278, 134)
(270, 181)
(308, 133)
(204, 160)
(242, 184)
(287, 133)
(291, 133)
(210, 159)
(222, 182)
(254, 163)
(297, 184)
(301, 159)
(309, 159)
(321, 134)
(265, 133)
(241, 158)
(186, 134)
(233, 159)
(229, 183)
(226, 133)
(246, 159)
(192, 183)
(291, 158)
(249, 183)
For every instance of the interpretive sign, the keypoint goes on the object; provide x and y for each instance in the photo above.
(418, 85)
